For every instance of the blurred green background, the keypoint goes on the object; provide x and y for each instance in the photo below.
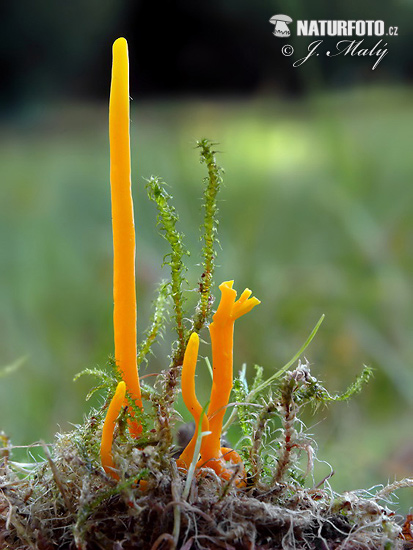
(315, 212)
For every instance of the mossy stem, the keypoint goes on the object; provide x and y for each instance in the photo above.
(257, 439)
(288, 410)
(213, 183)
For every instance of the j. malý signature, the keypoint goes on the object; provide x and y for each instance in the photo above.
(347, 47)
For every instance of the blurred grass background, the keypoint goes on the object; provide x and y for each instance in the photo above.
(315, 218)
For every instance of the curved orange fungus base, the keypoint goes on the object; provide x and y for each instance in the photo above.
(212, 455)
(109, 428)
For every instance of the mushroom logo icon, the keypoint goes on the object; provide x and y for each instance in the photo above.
(281, 29)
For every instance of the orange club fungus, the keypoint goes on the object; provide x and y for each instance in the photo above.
(123, 226)
(212, 455)
(109, 428)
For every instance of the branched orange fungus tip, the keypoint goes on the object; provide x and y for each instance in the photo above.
(109, 428)
(124, 290)
(222, 336)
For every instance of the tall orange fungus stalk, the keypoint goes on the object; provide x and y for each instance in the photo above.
(124, 290)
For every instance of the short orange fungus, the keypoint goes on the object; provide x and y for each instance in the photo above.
(109, 428)
(212, 455)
